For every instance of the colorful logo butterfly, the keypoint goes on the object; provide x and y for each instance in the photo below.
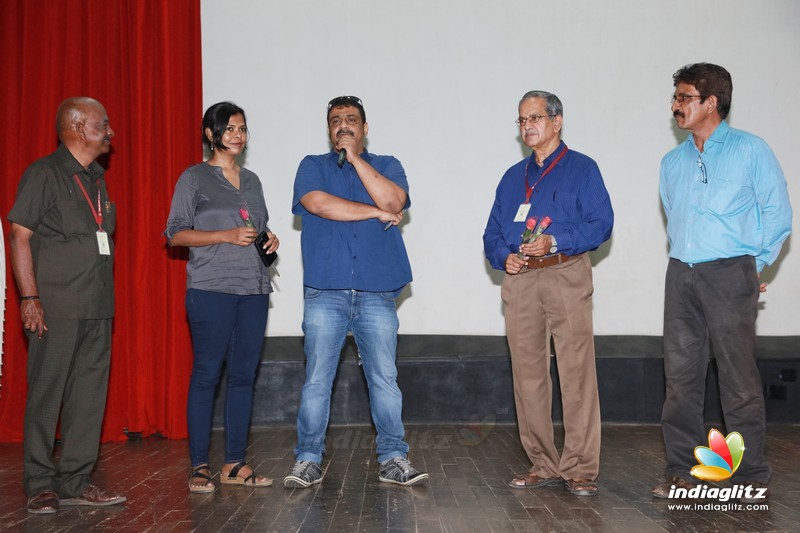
(721, 458)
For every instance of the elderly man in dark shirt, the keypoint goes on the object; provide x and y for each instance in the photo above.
(62, 257)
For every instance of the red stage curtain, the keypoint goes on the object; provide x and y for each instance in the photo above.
(142, 60)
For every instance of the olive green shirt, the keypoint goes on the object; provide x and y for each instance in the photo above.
(74, 279)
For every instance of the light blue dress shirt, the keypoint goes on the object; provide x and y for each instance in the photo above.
(728, 201)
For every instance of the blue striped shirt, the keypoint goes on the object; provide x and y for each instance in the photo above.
(573, 195)
(742, 208)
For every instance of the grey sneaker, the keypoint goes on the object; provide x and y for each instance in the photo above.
(398, 470)
(303, 475)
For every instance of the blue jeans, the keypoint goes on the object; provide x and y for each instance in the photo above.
(225, 327)
(372, 317)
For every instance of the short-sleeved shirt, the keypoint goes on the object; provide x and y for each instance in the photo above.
(75, 281)
(357, 255)
(204, 200)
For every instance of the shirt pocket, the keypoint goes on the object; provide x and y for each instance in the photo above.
(567, 207)
(728, 195)
(109, 216)
(76, 218)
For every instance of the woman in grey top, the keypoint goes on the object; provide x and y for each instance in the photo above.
(218, 210)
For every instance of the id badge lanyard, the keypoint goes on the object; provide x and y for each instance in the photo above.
(522, 212)
(102, 237)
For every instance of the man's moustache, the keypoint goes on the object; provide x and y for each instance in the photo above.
(677, 114)
(345, 132)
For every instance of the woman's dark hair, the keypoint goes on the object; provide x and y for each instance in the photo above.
(216, 119)
(708, 79)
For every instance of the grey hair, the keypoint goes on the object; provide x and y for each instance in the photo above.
(554, 105)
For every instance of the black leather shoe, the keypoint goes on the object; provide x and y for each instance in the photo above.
(94, 496)
(662, 491)
(43, 502)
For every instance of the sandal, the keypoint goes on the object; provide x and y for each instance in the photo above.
(532, 481)
(581, 487)
(250, 481)
(198, 473)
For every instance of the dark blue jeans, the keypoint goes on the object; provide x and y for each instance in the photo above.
(225, 328)
(712, 305)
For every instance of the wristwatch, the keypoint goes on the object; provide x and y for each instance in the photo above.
(554, 246)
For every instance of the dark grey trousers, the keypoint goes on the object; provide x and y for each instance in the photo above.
(712, 305)
(67, 375)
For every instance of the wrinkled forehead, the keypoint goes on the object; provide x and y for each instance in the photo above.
(343, 111)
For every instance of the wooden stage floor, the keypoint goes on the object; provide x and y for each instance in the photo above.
(469, 468)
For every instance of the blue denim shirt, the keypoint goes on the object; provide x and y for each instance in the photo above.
(573, 195)
(742, 208)
(356, 255)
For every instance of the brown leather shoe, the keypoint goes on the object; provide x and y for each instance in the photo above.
(95, 496)
(662, 491)
(759, 493)
(43, 502)
(532, 481)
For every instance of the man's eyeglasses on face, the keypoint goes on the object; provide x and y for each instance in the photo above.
(681, 98)
(350, 120)
(532, 119)
(344, 100)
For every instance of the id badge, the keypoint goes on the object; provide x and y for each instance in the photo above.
(102, 243)
(522, 212)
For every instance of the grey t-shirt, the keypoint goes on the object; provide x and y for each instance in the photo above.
(204, 200)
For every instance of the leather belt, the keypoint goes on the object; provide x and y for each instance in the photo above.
(546, 261)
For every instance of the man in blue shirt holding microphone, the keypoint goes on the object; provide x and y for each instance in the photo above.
(355, 264)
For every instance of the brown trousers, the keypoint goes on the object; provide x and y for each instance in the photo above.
(556, 301)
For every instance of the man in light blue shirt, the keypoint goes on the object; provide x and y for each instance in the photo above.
(728, 214)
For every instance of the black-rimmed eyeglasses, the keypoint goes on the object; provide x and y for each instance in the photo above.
(344, 100)
(532, 119)
(681, 98)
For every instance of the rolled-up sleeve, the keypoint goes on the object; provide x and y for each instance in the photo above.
(184, 202)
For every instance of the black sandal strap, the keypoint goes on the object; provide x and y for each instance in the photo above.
(235, 470)
(198, 472)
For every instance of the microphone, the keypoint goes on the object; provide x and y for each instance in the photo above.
(342, 157)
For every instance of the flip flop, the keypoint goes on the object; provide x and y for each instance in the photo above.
(249, 481)
(198, 473)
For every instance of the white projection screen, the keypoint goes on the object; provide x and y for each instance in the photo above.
(440, 81)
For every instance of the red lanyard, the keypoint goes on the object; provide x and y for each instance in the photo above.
(528, 189)
(98, 215)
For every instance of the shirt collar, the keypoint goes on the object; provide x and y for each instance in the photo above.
(365, 155)
(552, 156)
(65, 158)
(718, 136)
